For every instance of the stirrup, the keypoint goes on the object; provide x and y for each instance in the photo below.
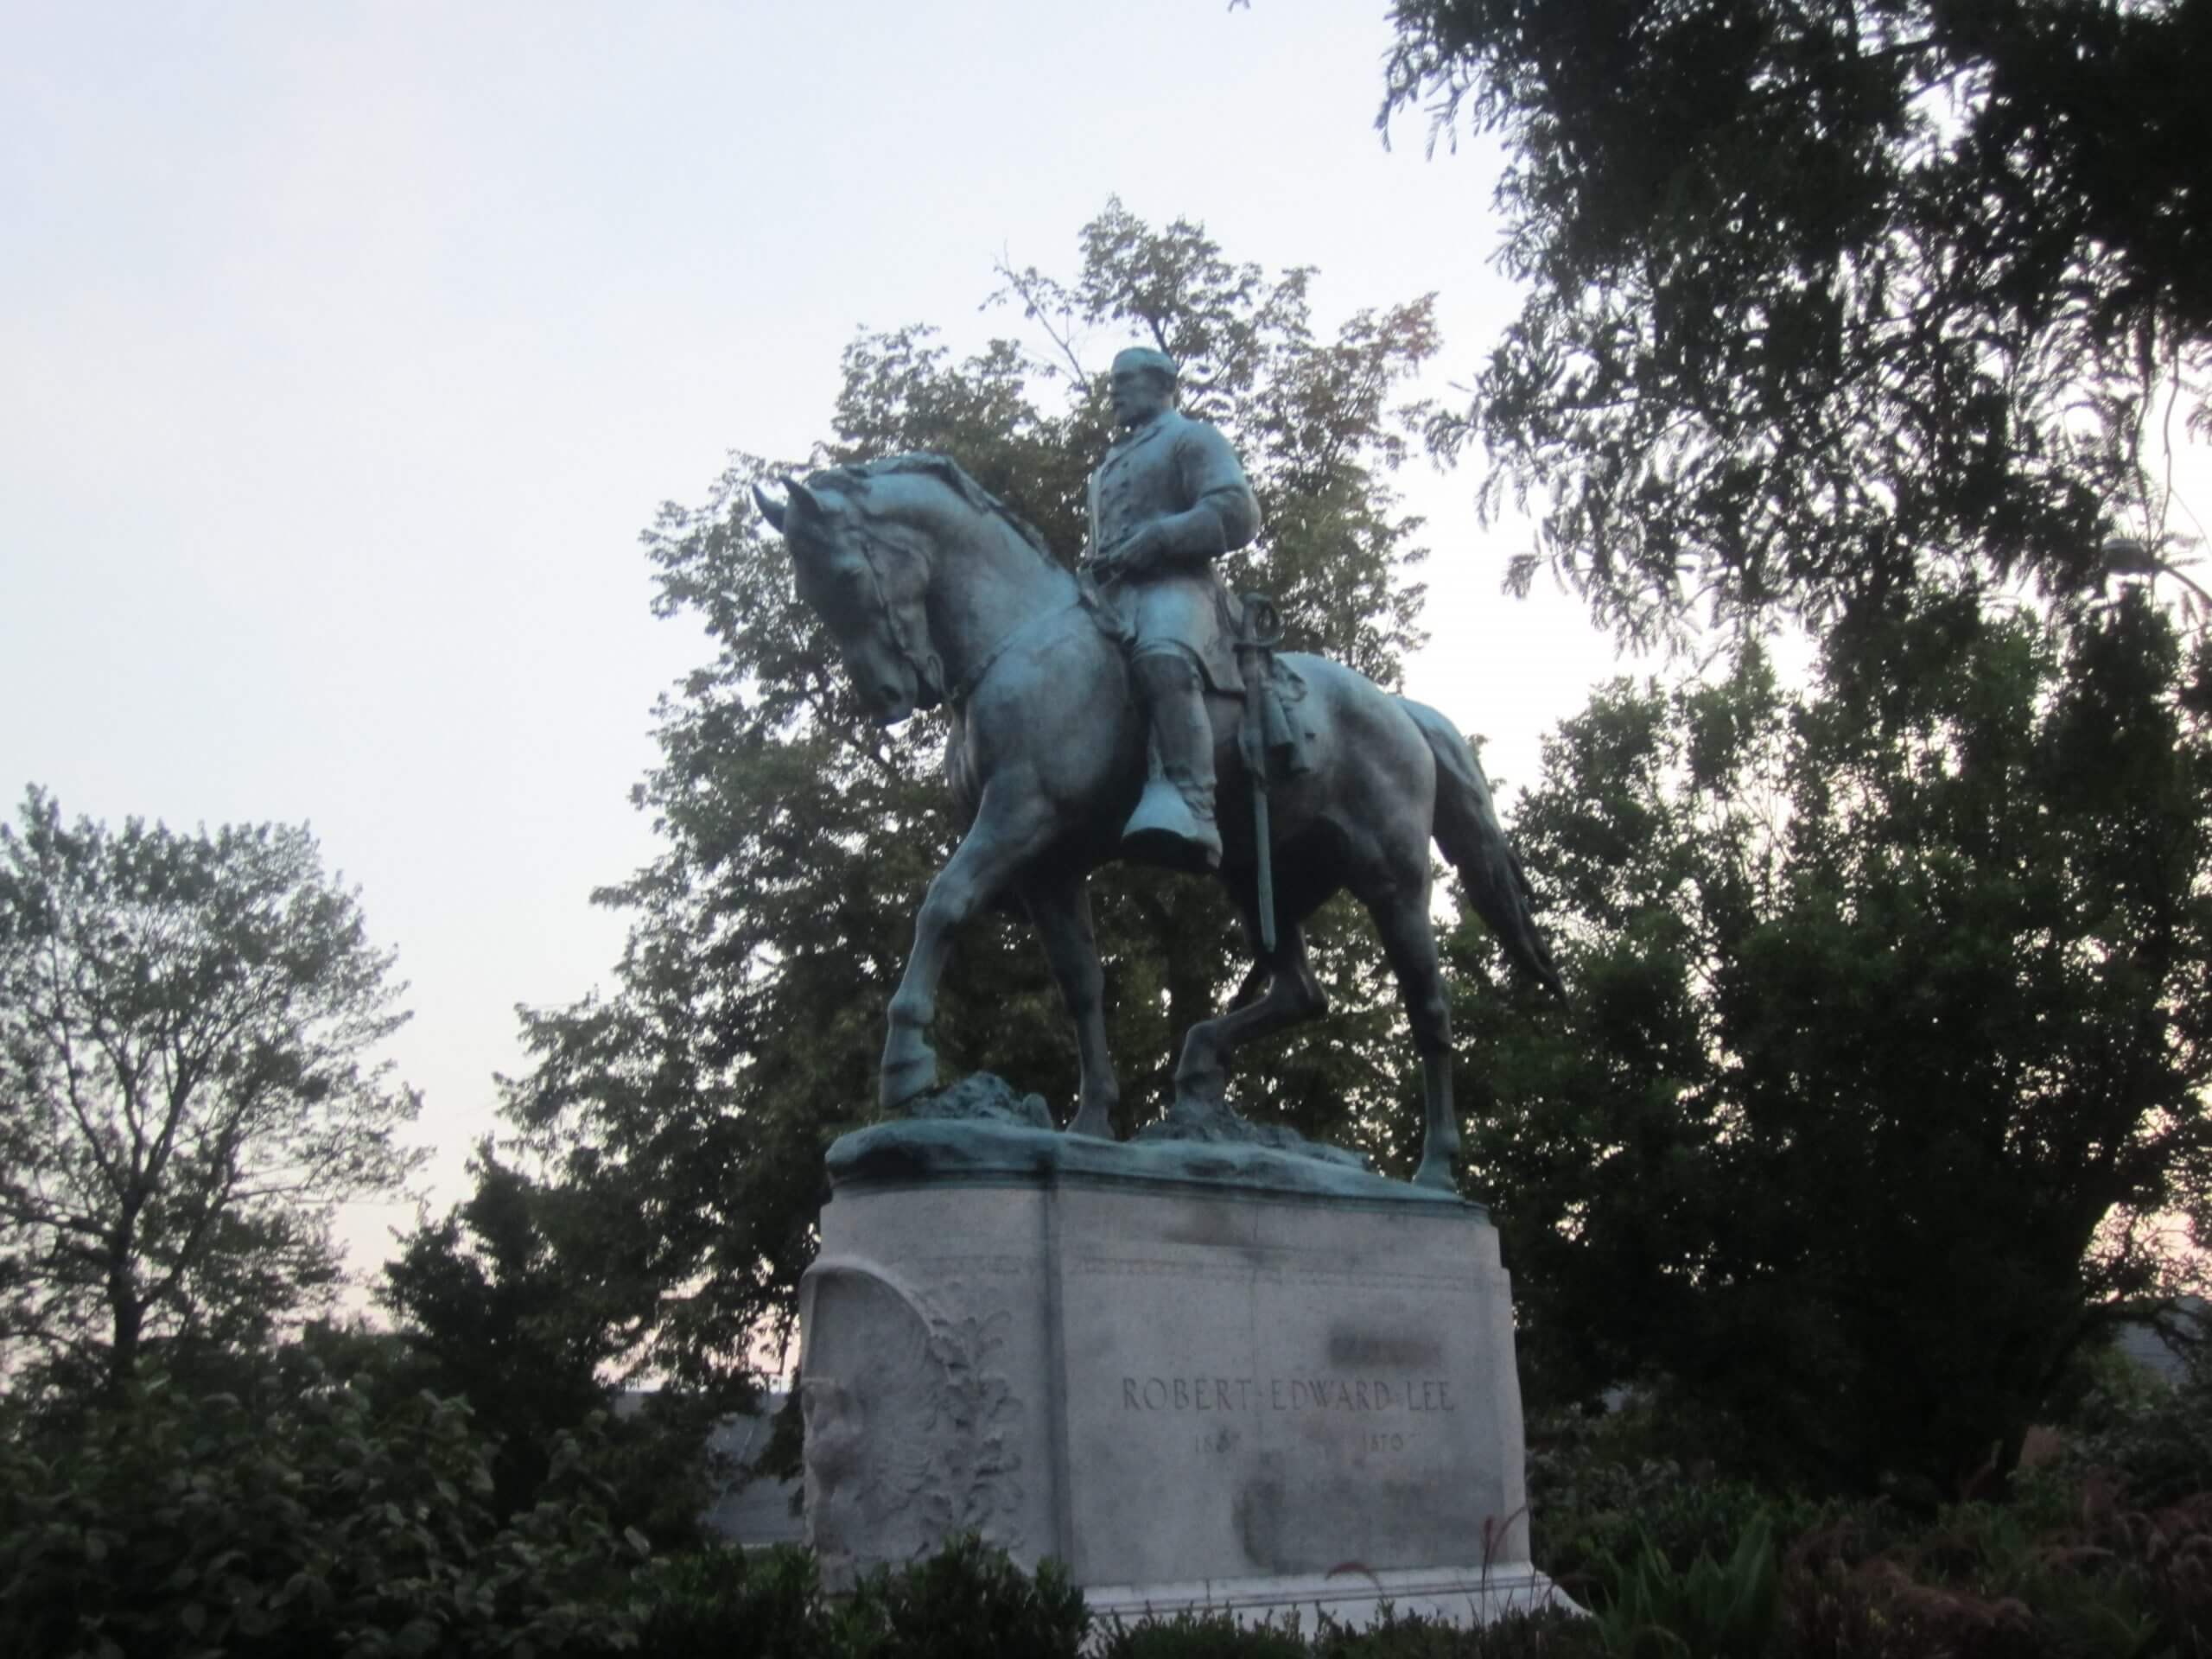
(1164, 831)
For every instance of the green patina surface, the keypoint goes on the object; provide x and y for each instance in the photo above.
(980, 1132)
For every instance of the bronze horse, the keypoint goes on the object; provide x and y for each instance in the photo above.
(937, 593)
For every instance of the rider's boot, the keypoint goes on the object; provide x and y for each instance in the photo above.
(1173, 823)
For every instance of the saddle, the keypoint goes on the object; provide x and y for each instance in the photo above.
(1249, 643)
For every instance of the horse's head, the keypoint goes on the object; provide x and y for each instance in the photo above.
(869, 584)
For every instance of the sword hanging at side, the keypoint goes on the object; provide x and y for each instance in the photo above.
(1259, 632)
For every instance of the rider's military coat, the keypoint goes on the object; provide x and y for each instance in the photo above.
(1173, 464)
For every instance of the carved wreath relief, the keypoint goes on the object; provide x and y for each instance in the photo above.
(910, 1429)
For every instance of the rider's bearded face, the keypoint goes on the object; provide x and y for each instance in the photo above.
(1139, 394)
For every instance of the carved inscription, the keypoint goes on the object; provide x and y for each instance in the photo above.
(1288, 1394)
(1285, 1270)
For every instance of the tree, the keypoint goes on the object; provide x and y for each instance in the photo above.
(1891, 1032)
(184, 1028)
(1825, 300)
(520, 1302)
(693, 1105)
(481, 1302)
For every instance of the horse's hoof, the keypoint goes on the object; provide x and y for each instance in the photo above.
(1435, 1172)
(907, 1077)
(1094, 1121)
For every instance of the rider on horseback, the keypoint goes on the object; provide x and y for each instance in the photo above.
(1167, 501)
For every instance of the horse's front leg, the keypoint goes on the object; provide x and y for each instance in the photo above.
(1059, 908)
(1011, 827)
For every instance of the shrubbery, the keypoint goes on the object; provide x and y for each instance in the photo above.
(314, 1519)
(966, 1600)
(2107, 1552)
(1602, 1490)
(308, 1515)
(2152, 1441)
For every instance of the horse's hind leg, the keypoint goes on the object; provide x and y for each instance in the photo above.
(1292, 997)
(1409, 941)
(1059, 908)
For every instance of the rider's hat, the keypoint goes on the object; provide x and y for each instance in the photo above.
(1143, 357)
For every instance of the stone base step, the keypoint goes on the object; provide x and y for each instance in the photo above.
(1465, 1596)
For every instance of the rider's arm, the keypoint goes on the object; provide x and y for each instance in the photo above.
(1223, 515)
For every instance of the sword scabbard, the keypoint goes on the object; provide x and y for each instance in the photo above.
(1255, 643)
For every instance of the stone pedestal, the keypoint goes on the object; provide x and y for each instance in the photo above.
(1247, 1393)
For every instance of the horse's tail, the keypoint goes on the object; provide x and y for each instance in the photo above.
(1468, 831)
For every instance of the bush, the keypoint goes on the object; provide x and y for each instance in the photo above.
(1203, 1635)
(314, 1519)
(970, 1599)
(2068, 1573)
(729, 1605)
(351, 1519)
(2154, 1440)
(1705, 1611)
(1599, 1494)
(967, 1599)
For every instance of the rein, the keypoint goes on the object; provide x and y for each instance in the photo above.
(974, 678)
(929, 668)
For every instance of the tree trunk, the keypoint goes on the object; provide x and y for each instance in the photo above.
(126, 1309)
(130, 1320)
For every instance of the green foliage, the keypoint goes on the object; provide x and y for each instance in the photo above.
(1890, 1029)
(2070, 1564)
(2154, 1441)
(518, 1301)
(685, 1116)
(1203, 1635)
(968, 1598)
(312, 1515)
(2076, 1574)
(1651, 1609)
(186, 1023)
(1823, 298)
(1609, 1488)
(730, 1604)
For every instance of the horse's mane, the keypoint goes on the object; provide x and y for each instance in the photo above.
(853, 480)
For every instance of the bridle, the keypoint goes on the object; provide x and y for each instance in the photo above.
(926, 666)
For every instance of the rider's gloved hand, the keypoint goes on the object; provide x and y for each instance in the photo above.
(1137, 553)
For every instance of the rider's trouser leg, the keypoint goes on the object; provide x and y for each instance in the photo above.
(1176, 823)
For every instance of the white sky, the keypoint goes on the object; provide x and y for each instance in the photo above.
(346, 348)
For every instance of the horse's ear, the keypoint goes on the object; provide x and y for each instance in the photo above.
(798, 502)
(802, 499)
(771, 509)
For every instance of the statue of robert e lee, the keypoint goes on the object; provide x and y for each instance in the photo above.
(934, 591)
(923, 1414)
(1168, 500)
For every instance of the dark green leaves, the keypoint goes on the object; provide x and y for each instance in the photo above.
(1823, 300)
(1891, 1027)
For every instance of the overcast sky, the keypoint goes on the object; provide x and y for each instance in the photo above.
(346, 348)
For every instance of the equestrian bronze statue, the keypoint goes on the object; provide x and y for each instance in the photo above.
(1127, 712)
